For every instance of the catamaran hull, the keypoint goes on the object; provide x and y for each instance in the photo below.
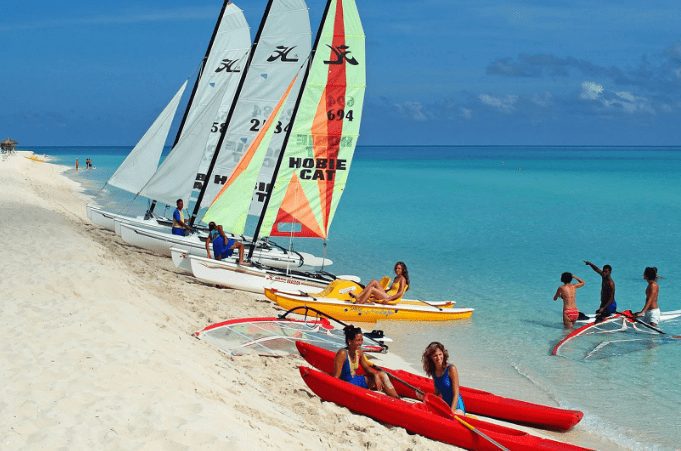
(161, 243)
(368, 313)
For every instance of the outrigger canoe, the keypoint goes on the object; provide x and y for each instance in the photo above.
(477, 401)
(335, 301)
(420, 418)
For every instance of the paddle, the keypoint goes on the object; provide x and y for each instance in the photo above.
(480, 433)
(402, 381)
(442, 408)
(630, 315)
(429, 304)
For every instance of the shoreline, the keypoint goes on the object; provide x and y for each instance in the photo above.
(99, 348)
(129, 295)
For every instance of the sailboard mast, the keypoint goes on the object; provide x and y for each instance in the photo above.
(268, 196)
(180, 129)
(232, 107)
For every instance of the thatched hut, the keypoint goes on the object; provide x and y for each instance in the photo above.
(8, 145)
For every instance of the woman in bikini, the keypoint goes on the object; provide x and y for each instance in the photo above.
(567, 292)
(445, 376)
(375, 292)
(349, 359)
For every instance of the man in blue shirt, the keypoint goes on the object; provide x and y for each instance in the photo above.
(179, 226)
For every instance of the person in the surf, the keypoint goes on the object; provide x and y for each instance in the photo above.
(223, 247)
(608, 305)
(651, 309)
(375, 292)
(567, 292)
(445, 376)
(349, 359)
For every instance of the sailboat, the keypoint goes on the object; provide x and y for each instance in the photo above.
(312, 169)
(280, 48)
(140, 164)
(228, 46)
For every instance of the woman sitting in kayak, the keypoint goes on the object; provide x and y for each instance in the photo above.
(375, 292)
(349, 359)
(445, 376)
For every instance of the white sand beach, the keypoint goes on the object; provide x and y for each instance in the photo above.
(97, 347)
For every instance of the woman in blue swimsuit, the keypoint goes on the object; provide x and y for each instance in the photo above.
(445, 376)
(349, 359)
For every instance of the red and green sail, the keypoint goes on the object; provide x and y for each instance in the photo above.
(317, 158)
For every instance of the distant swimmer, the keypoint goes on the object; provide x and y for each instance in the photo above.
(376, 292)
(445, 376)
(608, 304)
(567, 292)
(179, 226)
(349, 359)
(223, 247)
(651, 309)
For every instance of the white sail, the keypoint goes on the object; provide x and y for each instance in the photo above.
(281, 51)
(142, 162)
(175, 178)
(232, 41)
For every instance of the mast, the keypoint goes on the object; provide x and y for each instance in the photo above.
(268, 196)
(232, 107)
(198, 77)
(180, 129)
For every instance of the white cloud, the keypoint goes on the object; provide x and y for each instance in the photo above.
(412, 109)
(591, 90)
(624, 101)
(505, 104)
(466, 113)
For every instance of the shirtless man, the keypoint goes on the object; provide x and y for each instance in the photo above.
(608, 304)
(567, 292)
(651, 310)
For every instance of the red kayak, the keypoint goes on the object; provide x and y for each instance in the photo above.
(417, 417)
(477, 401)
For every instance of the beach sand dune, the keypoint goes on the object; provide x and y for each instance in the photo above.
(97, 347)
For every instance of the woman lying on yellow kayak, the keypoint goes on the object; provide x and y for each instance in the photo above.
(377, 292)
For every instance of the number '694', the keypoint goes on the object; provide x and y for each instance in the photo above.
(339, 115)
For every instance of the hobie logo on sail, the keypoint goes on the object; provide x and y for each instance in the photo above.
(282, 53)
(342, 53)
(317, 168)
(228, 66)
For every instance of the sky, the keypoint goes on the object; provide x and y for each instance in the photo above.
(439, 72)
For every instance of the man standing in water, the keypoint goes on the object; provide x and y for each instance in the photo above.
(608, 304)
(651, 310)
(567, 292)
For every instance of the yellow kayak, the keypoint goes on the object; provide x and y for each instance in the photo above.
(37, 159)
(330, 302)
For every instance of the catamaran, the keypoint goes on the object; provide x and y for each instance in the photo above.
(312, 169)
(205, 153)
(229, 44)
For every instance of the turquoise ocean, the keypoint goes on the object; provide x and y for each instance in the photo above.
(493, 228)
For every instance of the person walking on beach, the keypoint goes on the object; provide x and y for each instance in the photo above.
(76, 164)
(349, 359)
(223, 247)
(651, 309)
(608, 304)
(568, 293)
(179, 226)
(445, 376)
(376, 292)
